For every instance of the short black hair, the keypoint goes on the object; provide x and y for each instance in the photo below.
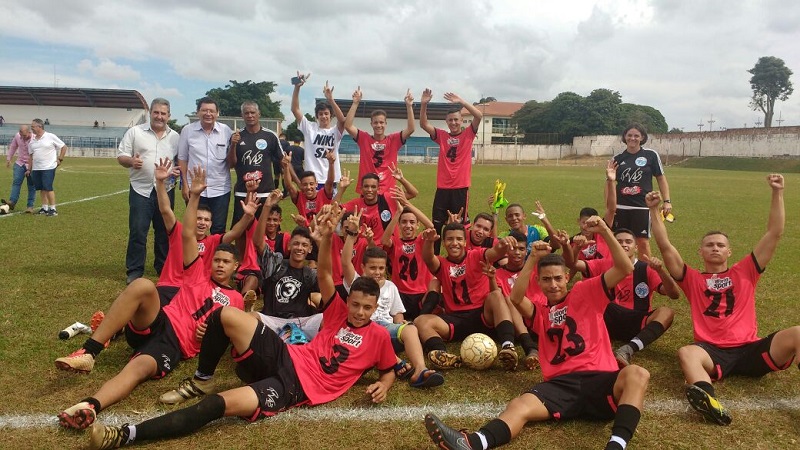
(275, 209)
(230, 248)
(306, 174)
(207, 100)
(204, 207)
(588, 212)
(518, 236)
(370, 176)
(374, 253)
(623, 230)
(484, 216)
(551, 259)
(454, 226)
(366, 286)
(302, 232)
(322, 106)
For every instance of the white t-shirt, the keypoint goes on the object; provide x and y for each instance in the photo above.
(319, 141)
(389, 302)
(44, 151)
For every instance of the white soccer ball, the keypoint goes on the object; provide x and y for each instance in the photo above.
(478, 351)
(4, 209)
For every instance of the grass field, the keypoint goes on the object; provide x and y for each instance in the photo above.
(59, 270)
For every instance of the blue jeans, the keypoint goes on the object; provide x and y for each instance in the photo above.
(219, 211)
(16, 186)
(142, 212)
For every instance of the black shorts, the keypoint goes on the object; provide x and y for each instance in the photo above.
(268, 369)
(159, 341)
(166, 294)
(464, 323)
(452, 200)
(752, 360)
(623, 324)
(636, 220)
(587, 395)
(412, 303)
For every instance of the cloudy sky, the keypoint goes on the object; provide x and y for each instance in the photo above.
(689, 59)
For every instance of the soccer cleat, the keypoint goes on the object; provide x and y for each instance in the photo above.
(52, 213)
(445, 437)
(623, 356)
(78, 416)
(249, 300)
(508, 357)
(41, 212)
(532, 359)
(78, 361)
(104, 437)
(441, 360)
(94, 323)
(707, 405)
(187, 389)
(11, 205)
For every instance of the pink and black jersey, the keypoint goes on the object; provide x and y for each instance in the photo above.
(464, 286)
(206, 248)
(281, 241)
(634, 291)
(376, 157)
(309, 208)
(249, 259)
(197, 297)
(409, 271)
(172, 272)
(455, 158)
(376, 216)
(598, 250)
(337, 245)
(339, 354)
(572, 334)
(724, 304)
(506, 278)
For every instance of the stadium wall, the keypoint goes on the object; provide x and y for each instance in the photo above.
(71, 115)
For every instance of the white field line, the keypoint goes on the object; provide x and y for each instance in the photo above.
(408, 413)
(87, 199)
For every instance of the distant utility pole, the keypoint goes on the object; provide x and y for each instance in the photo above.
(700, 125)
(780, 119)
(758, 122)
(711, 123)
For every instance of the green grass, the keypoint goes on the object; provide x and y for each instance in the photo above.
(59, 270)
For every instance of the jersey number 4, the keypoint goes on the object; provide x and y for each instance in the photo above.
(451, 154)
(562, 351)
(716, 300)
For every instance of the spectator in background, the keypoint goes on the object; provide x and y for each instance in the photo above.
(142, 147)
(22, 168)
(47, 153)
(205, 144)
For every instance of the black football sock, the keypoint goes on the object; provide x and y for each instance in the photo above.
(182, 421)
(93, 347)
(434, 343)
(505, 332)
(625, 423)
(527, 342)
(430, 302)
(649, 333)
(706, 386)
(214, 344)
(496, 433)
(93, 401)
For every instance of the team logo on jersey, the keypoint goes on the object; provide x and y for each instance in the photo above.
(511, 280)
(166, 361)
(286, 289)
(589, 251)
(311, 205)
(452, 142)
(557, 316)
(631, 190)
(386, 215)
(347, 337)
(217, 296)
(378, 147)
(641, 161)
(272, 395)
(409, 249)
(261, 144)
(252, 176)
(458, 271)
(642, 290)
(201, 247)
(719, 284)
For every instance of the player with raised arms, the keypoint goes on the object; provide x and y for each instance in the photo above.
(723, 305)
(581, 377)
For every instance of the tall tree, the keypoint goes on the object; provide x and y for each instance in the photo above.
(231, 97)
(770, 82)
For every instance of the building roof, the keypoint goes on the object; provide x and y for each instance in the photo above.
(496, 109)
(74, 97)
(394, 109)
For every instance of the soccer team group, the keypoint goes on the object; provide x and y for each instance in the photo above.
(357, 283)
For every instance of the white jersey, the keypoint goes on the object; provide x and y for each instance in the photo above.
(318, 141)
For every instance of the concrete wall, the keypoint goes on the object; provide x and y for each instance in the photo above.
(68, 115)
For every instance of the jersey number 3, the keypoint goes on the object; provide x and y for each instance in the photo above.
(331, 366)
(562, 351)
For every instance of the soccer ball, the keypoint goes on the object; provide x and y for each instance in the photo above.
(4, 209)
(478, 351)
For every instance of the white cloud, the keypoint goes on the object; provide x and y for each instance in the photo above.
(106, 69)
